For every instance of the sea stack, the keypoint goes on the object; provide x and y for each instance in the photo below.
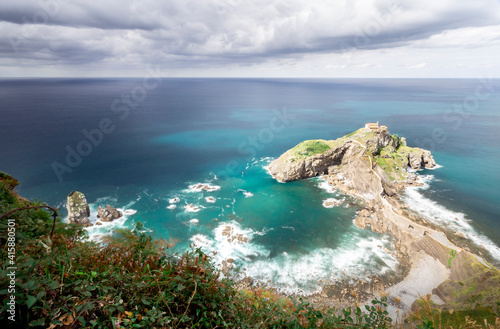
(78, 209)
(108, 214)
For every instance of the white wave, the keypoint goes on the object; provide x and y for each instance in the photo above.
(410, 169)
(192, 208)
(325, 186)
(288, 227)
(210, 199)
(100, 228)
(435, 167)
(202, 187)
(332, 202)
(105, 200)
(174, 200)
(194, 221)
(254, 162)
(171, 207)
(293, 273)
(300, 274)
(201, 241)
(245, 193)
(456, 221)
(266, 168)
(230, 241)
(129, 212)
(263, 231)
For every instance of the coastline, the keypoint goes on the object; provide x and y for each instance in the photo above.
(423, 251)
(424, 268)
(430, 263)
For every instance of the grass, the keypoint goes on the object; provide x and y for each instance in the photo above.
(451, 255)
(310, 148)
(393, 162)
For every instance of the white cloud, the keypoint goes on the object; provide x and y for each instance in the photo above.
(228, 36)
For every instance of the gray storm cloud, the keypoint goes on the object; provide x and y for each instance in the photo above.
(180, 32)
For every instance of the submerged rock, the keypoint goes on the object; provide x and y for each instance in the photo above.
(78, 209)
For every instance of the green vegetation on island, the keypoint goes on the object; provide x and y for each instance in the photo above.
(310, 148)
(390, 152)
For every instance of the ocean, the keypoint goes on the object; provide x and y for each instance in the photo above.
(187, 158)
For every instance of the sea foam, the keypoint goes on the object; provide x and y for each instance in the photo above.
(203, 187)
(97, 232)
(303, 274)
(438, 214)
(292, 273)
(230, 240)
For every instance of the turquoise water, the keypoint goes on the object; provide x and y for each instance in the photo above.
(224, 132)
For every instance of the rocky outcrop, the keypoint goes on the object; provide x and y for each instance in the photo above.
(414, 160)
(356, 177)
(108, 214)
(78, 209)
(428, 160)
(423, 159)
(381, 140)
(364, 219)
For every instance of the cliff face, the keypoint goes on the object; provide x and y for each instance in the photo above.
(288, 167)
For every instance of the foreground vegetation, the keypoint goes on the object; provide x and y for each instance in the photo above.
(65, 281)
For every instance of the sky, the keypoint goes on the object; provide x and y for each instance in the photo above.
(250, 38)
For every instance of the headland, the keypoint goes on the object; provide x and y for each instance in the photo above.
(375, 167)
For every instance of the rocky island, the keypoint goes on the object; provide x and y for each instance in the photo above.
(374, 166)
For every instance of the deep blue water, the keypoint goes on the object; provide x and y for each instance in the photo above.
(153, 144)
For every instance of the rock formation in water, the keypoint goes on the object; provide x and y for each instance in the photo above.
(78, 209)
(108, 214)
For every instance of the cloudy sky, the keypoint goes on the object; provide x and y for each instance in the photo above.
(250, 38)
